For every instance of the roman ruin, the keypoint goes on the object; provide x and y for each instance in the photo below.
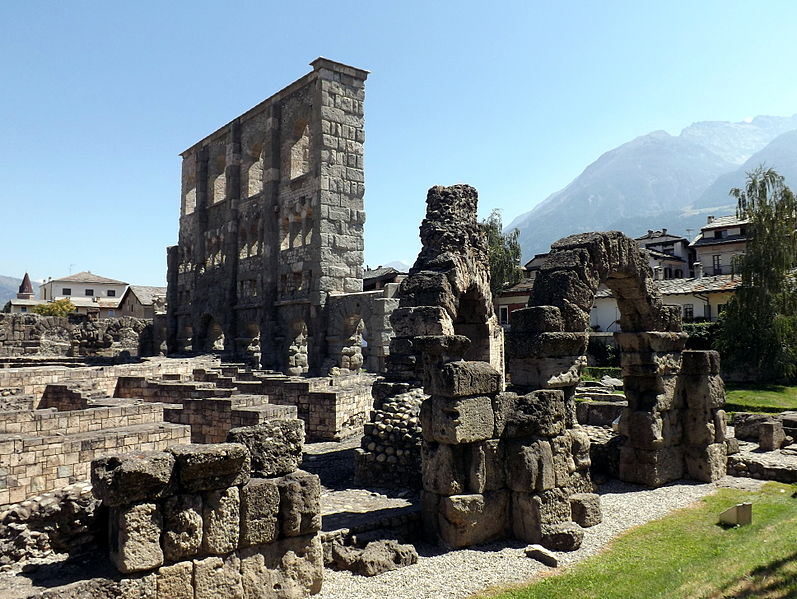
(268, 265)
(194, 459)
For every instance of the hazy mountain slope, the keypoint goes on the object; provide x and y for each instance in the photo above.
(642, 178)
(736, 142)
(780, 154)
(659, 180)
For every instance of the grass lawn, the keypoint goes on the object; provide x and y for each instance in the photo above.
(761, 398)
(686, 555)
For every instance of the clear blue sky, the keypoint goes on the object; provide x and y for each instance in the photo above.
(98, 98)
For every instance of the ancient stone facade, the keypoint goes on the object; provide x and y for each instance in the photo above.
(198, 521)
(271, 228)
(674, 422)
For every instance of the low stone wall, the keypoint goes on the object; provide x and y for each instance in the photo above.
(192, 522)
(74, 335)
(47, 457)
(34, 380)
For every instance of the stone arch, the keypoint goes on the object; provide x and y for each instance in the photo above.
(548, 339)
(249, 344)
(348, 336)
(448, 289)
(298, 348)
(212, 338)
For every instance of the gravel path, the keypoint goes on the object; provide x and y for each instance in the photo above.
(459, 574)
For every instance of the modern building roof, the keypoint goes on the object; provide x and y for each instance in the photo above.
(145, 294)
(15, 301)
(87, 277)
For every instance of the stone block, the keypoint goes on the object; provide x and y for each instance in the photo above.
(700, 362)
(122, 479)
(131, 587)
(466, 520)
(702, 392)
(221, 515)
(652, 468)
(542, 555)
(539, 413)
(746, 425)
(290, 568)
(421, 320)
(462, 379)
(443, 468)
(563, 536)
(720, 426)
(699, 427)
(579, 446)
(176, 581)
(375, 558)
(585, 509)
(707, 463)
(651, 341)
(546, 373)
(218, 578)
(545, 345)
(529, 466)
(205, 467)
(260, 499)
(532, 512)
(536, 319)
(462, 420)
(275, 446)
(771, 436)
(182, 527)
(134, 537)
(485, 470)
(299, 504)
(643, 429)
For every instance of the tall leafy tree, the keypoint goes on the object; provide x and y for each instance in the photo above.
(504, 253)
(758, 330)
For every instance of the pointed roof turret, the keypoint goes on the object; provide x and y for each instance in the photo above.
(25, 289)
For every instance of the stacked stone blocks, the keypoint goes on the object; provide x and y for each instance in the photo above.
(215, 521)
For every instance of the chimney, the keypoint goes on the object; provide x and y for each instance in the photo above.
(709, 220)
(663, 232)
(698, 270)
(658, 273)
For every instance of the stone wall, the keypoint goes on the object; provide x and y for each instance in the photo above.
(211, 521)
(75, 335)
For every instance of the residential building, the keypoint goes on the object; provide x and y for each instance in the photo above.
(517, 296)
(142, 301)
(719, 241)
(83, 285)
(669, 253)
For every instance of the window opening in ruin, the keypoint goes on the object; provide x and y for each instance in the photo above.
(471, 321)
(189, 196)
(689, 312)
(219, 180)
(285, 239)
(307, 224)
(300, 154)
(214, 336)
(296, 233)
(254, 173)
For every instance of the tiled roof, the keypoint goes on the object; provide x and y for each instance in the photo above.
(657, 235)
(382, 271)
(87, 277)
(664, 255)
(146, 294)
(26, 302)
(712, 284)
(724, 221)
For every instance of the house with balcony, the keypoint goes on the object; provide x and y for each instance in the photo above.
(719, 241)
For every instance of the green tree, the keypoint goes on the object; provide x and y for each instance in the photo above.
(503, 251)
(758, 330)
(60, 307)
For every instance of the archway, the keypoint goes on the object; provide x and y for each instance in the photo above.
(547, 343)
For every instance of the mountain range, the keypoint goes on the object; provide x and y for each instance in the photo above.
(660, 180)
